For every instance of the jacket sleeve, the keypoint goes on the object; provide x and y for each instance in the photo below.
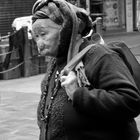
(114, 96)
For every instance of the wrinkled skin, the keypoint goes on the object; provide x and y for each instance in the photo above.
(46, 34)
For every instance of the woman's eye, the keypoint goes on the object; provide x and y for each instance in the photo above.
(42, 34)
(35, 37)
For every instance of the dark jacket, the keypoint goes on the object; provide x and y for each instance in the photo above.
(105, 111)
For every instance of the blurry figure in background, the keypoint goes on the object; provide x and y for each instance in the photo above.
(104, 107)
(20, 22)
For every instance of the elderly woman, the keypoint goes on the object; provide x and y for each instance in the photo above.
(102, 110)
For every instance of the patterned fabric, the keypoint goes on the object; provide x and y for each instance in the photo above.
(44, 89)
(55, 125)
(56, 128)
(48, 11)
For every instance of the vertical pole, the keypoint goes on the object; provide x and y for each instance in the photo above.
(27, 54)
(138, 15)
(88, 6)
(129, 15)
(99, 25)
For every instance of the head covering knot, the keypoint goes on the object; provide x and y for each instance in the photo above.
(48, 10)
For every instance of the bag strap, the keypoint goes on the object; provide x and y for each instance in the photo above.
(96, 40)
(77, 58)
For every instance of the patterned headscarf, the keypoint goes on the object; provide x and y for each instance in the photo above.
(74, 20)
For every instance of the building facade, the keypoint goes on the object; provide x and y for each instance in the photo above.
(11, 9)
(117, 15)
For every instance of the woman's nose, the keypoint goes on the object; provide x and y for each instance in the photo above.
(39, 43)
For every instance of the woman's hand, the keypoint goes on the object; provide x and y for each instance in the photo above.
(69, 82)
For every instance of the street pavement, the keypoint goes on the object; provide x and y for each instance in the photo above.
(18, 103)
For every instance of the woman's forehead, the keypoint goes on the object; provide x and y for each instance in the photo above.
(45, 23)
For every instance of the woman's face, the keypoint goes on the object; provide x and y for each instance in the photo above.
(46, 34)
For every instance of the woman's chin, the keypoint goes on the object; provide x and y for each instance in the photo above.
(45, 53)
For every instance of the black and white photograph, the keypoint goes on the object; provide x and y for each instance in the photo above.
(69, 69)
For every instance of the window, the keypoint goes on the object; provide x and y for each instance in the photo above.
(114, 11)
(96, 8)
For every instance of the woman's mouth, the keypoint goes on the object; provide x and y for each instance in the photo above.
(40, 49)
